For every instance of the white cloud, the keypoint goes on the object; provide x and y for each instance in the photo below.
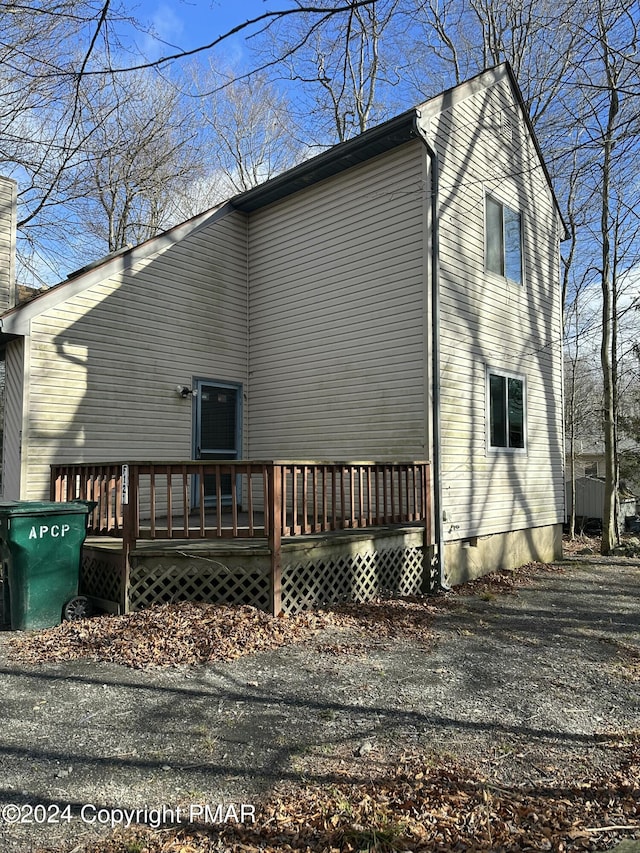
(167, 24)
(166, 27)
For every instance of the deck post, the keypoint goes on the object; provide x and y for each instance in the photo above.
(54, 479)
(129, 528)
(427, 549)
(275, 535)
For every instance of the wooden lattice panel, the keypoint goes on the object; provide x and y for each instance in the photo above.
(352, 577)
(167, 580)
(101, 574)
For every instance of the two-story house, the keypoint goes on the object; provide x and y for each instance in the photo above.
(395, 297)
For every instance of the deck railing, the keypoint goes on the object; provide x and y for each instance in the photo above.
(272, 500)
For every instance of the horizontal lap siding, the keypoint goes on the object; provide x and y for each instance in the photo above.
(105, 363)
(337, 316)
(486, 321)
(13, 419)
(8, 191)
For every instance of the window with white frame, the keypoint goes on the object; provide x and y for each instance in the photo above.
(503, 250)
(506, 411)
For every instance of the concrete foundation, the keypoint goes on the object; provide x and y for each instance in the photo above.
(467, 559)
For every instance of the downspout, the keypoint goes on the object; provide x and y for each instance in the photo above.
(439, 582)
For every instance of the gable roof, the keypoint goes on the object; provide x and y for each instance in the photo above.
(377, 140)
(384, 137)
(14, 322)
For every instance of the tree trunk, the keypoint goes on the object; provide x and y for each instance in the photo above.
(609, 521)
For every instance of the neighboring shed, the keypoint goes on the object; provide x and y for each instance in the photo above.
(589, 460)
(590, 501)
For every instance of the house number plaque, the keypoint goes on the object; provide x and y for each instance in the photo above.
(125, 484)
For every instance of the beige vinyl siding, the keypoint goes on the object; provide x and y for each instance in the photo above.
(105, 362)
(489, 322)
(8, 193)
(337, 316)
(13, 419)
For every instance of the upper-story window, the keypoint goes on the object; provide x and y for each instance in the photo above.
(503, 240)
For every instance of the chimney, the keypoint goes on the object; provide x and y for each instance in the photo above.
(8, 198)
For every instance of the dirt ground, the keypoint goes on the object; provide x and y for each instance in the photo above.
(531, 686)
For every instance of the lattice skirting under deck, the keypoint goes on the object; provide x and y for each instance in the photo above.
(316, 571)
(101, 574)
(191, 578)
(353, 577)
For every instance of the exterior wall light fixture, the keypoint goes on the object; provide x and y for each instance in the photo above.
(184, 391)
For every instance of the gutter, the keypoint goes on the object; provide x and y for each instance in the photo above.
(344, 155)
(439, 583)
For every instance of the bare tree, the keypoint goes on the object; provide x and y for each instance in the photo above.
(629, 421)
(578, 408)
(246, 122)
(612, 95)
(141, 149)
(338, 68)
(51, 54)
(44, 47)
(457, 39)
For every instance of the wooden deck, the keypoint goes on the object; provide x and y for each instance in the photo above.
(173, 517)
(316, 570)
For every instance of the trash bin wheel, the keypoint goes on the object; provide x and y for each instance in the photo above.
(76, 608)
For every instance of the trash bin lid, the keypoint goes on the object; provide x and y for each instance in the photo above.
(13, 508)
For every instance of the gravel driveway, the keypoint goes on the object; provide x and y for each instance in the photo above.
(528, 685)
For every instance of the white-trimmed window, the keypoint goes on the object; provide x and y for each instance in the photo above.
(503, 243)
(506, 410)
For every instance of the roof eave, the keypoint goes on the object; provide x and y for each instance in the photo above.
(331, 162)
(536, 143)
(16, 320)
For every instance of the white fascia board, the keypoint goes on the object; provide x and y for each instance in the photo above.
(445, 100)
(17, 321)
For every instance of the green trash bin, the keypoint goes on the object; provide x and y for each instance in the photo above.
(41, 549)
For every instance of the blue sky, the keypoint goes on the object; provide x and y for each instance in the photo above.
(187, 24)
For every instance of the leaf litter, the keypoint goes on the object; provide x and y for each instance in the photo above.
(191, 633)
(415, 807)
